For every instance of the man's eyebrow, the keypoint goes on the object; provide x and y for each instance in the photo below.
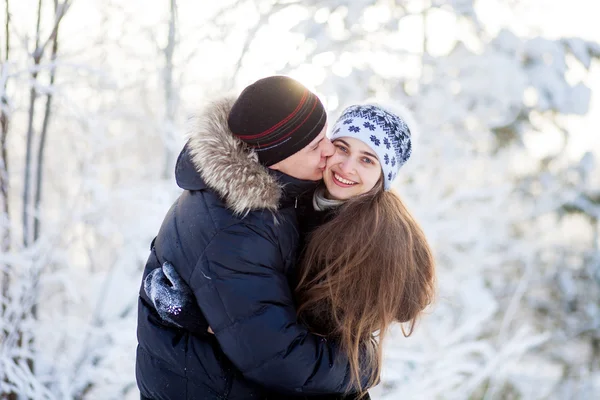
(317, 141)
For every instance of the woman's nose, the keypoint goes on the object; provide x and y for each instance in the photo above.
(347, 165)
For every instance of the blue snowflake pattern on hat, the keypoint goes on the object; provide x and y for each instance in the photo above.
(387, 143)
(369, 126)
(375, 140)
(348, 121)
(386, 158)
(354, 129)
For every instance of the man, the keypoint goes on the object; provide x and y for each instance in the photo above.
(232, 237)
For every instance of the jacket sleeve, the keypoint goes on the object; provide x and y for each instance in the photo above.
(240, 285)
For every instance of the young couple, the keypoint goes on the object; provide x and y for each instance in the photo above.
(279, 269)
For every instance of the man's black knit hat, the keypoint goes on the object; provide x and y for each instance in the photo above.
(276, 116)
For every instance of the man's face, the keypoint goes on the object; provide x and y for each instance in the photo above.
(310, 162)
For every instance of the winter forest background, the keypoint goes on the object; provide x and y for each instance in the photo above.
(505, 177)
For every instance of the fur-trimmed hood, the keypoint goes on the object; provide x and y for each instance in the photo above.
(225, 164)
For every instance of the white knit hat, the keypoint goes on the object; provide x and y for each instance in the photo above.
(386, 133)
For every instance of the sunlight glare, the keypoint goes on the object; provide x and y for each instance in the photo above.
(375, 16)
(442, 30)
(410, 31)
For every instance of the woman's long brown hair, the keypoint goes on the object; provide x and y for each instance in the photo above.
(367, 267)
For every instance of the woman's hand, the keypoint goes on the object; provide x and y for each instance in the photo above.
(174, 301)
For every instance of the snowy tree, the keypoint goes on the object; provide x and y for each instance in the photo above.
(94, 97)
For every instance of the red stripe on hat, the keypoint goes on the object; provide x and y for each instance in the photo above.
(293, 130)
(280, 123)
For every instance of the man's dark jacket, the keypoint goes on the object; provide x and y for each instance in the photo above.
(232, 235)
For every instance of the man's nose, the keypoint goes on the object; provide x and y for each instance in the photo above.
(328, 148)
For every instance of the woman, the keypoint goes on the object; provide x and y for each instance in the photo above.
(369, 263)
(366, 262)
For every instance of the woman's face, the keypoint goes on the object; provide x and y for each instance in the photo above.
(352, 170)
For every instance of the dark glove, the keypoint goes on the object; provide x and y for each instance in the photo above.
(174, 300)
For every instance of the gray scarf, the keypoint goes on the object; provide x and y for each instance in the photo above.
(321, 203)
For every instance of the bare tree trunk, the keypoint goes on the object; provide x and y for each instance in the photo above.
(4, 210)
(6, 30)
(37, 56)
(171, 102)
(42, 145)
(60, 11)
(29, 219)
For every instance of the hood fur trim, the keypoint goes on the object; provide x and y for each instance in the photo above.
(226, 164)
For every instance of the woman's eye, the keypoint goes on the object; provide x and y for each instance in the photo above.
(342, 148)
(367, 160)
